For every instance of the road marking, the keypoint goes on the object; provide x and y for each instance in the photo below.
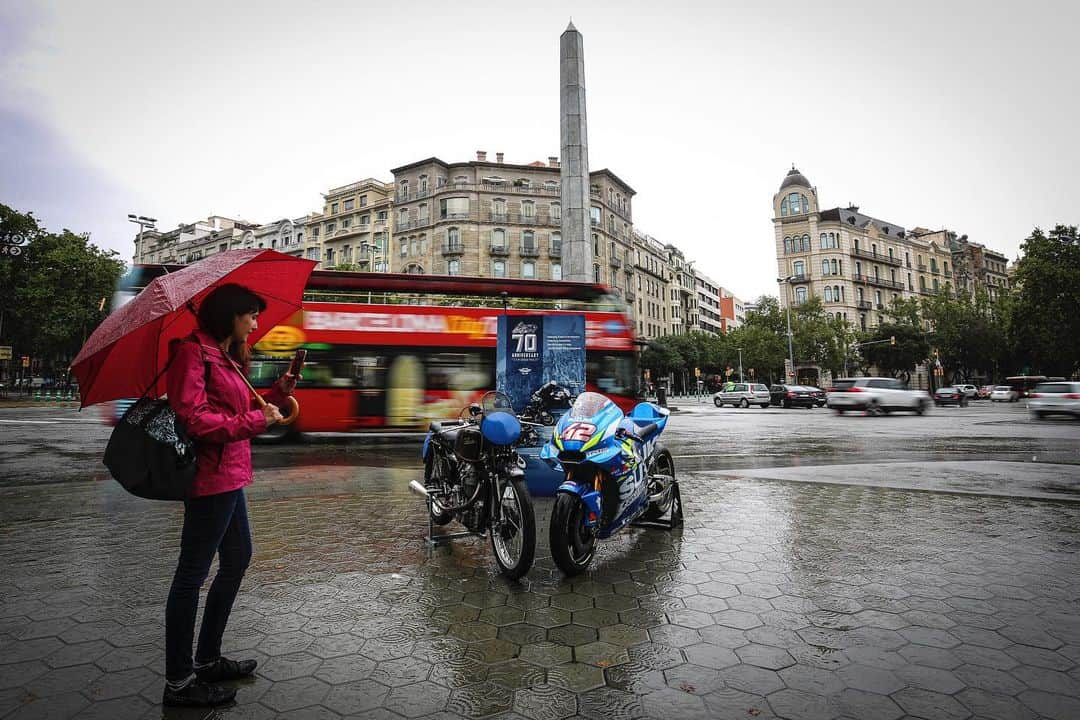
(30, 422)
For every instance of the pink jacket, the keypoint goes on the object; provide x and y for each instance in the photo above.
(218, 411)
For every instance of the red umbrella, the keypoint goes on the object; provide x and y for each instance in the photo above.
(125, 353)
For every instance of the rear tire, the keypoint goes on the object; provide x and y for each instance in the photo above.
(439, 518)
(786, 404)
(839, 411)
(572, 545)
(874, 409)
(514, 564)
(664, 465)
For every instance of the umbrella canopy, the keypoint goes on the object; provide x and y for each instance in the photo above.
(124, 354)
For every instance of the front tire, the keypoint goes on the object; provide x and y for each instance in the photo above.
(744, 403)
(572, 544)
(717, 403)
(514, 541)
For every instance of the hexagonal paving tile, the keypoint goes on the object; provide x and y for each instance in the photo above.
(357, 696)
(576, 677)
(656, 656)
(711, 656)
(545, 702)
(623, 635)
(516, 674)
(765, 656)
(608, 703)
(548, 617)
(546, 654)
(695, 679)
(573, 635)
(418, 699)
(481, 700)
(401, 671)
(290, 695)
(601, 654)
(571, 601)
(928, 704)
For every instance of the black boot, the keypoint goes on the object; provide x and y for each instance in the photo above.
(197, 694)
(223, 669)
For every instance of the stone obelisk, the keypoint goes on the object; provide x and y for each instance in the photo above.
(577, 250)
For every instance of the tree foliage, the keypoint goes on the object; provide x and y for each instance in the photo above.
(1043, 313)
(56, 292)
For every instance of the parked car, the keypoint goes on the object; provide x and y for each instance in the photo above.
(876, 395)
(1004, 393)
(970, 391)
(819, 395)
(792, 396)
(743, 395)
(951, 395)
(984, 391)
(1052, 398)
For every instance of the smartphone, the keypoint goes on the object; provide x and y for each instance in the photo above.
(297, 363)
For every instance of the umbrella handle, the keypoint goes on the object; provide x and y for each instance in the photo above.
(291, 402)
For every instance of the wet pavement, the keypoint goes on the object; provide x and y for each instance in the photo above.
(828, 568)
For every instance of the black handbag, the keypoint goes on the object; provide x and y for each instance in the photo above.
(149, 451)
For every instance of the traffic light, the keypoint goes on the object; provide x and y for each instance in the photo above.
(892, 339)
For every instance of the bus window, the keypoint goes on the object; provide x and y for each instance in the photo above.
(612, 374)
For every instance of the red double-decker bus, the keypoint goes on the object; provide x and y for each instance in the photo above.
(392, 351)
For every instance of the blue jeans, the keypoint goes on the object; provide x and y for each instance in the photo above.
(215, 524)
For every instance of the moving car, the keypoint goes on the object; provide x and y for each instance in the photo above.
(970, 391)
(951, 395)
(1003, 393)
(875, 395)
(1055, 398)
(743, 395)
(792, 396)
(984, 391)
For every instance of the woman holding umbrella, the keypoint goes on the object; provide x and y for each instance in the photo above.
(208, 392)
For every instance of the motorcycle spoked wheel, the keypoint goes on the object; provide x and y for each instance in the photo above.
(572, 544)
(437, 517)
(513, 540)
(664, 465)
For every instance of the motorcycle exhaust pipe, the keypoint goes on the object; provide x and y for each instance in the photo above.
(418, 488)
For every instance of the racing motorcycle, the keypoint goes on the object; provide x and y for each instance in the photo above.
(616, 472)
(472, 474)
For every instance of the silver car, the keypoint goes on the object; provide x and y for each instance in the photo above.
(1051, 398)
(743, 395)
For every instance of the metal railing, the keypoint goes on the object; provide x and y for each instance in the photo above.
(615, 262)
(530, 250)
(865, 305)
(453, 248)
(877, 257)
(499, 249)
(879, 281)
(555, 251)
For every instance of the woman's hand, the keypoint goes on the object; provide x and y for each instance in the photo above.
(287, 383)
(272, 414)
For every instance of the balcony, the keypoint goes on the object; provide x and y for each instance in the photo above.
(631, 296)
(865, 305)
(499, 217)
(922, 268)
(401, 225)
(881, 306)
(877, 257)
(499, 250)
(800, 278)
(615, 262)
(628, 269)
(520, 219)
(530, 250)
(453, 248)
(555, 251)
(948, 273)
(935, 271)
(878, 281)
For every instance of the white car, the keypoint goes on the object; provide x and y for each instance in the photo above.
(875, 395)
(970, 391)
(1003, 393)
(743, 395)
(1055, 398)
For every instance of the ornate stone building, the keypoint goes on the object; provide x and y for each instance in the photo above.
(497, 219)
(193, 241)
(354, 229)
(857, 264)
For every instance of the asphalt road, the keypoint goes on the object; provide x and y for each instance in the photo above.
(51, 445)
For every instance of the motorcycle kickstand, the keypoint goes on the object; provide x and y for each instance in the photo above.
(433, 540)
(675, 513)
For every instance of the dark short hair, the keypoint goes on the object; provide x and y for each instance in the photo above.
(219, 310)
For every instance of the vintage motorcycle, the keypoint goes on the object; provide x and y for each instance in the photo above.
(472, 474)
(616, 472)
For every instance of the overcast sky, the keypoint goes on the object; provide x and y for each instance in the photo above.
(941, 114)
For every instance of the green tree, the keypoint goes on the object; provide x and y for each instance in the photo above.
(910, 349)
(819, 339)
(661, 358)
(966, 333)
(56, 293)
(1044, 320)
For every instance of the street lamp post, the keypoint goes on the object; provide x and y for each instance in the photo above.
(740, 365)
(143, 222)
(787, 307)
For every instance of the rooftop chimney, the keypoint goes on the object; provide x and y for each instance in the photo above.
(499, 157)
(481, 155)
(553, 161)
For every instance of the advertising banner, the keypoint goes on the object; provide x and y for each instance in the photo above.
(533, 349)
